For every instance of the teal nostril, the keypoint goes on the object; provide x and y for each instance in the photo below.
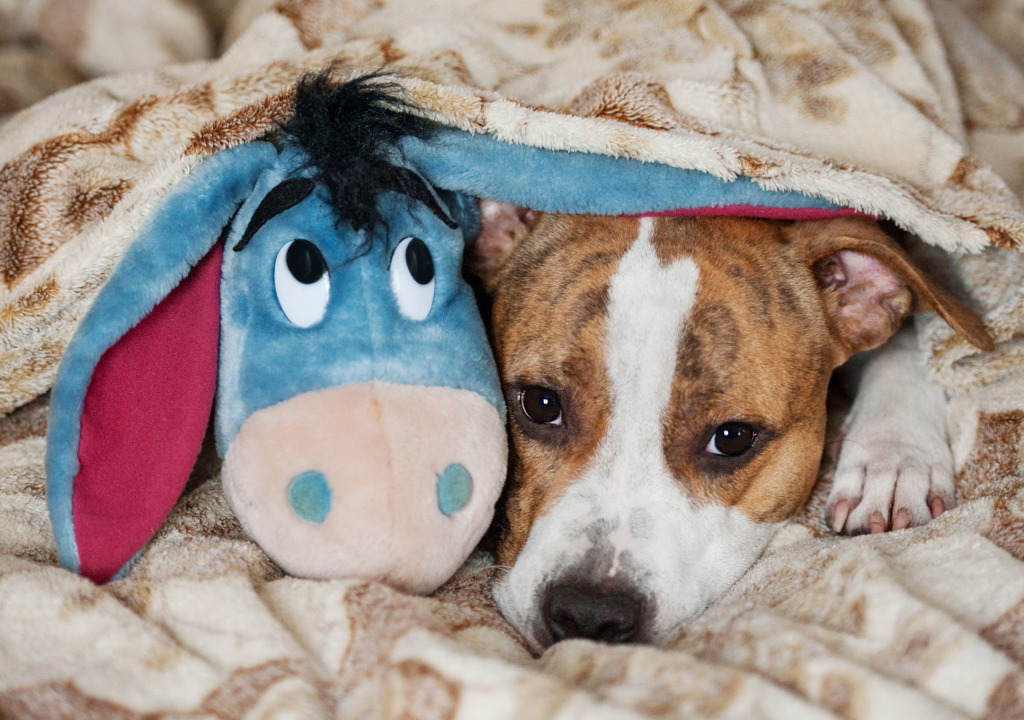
(454, 486)
(309, 496)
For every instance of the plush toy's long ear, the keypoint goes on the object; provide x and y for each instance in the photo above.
(134, 391)
(581, 182)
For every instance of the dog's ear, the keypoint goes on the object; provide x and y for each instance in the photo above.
(502, 227)
(869, 285)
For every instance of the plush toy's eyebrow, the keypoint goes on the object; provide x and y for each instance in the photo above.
(286, 194)
(409, 183)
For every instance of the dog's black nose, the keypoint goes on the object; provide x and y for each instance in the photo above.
(575, 611)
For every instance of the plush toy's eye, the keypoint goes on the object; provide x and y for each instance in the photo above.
(302, 283)
(412, 278)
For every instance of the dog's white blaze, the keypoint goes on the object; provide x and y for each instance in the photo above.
(682, 555)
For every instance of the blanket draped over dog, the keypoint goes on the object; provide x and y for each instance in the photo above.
(912, 110)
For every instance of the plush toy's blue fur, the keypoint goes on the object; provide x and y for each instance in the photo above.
(176, 237)
(572, 182)
(265, 359)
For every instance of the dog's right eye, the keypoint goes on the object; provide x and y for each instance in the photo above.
(731, 439)
(541, 405)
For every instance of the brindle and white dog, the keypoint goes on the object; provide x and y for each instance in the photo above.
(666, 380)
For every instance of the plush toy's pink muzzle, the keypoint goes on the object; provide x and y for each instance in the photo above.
(343, 482)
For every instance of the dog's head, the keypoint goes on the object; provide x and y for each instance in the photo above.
(666, 380)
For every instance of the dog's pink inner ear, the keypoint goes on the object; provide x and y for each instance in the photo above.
(866, 299)
(869, 284)
(502, 227)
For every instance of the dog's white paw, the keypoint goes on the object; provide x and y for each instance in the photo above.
(890, 481)
(895, 466)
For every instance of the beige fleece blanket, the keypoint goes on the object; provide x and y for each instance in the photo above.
(909, 108)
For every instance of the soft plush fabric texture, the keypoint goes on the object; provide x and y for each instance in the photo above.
(143, 421)
(384, 447)
(376, 401)
(908, 109)
(172, 243)
(363, 336)
(143, 405)
(573, 182)
(49, 45)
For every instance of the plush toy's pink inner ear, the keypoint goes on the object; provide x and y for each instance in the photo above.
(144, 419)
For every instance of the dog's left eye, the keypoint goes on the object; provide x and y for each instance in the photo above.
(731, 439)
(541, 405)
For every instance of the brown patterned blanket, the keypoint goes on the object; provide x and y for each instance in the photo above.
(913, 109)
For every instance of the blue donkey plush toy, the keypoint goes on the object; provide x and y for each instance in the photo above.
(310, 289)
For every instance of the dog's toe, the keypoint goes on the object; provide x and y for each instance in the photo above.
(847, 494)
(881, 484)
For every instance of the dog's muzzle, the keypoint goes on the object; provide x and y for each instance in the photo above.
(606, 612)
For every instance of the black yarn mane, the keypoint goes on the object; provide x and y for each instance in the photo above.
(350, 132)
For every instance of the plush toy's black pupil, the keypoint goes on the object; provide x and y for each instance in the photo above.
(734, 438)
(421, 265)
(541, 404)
(305, 262)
